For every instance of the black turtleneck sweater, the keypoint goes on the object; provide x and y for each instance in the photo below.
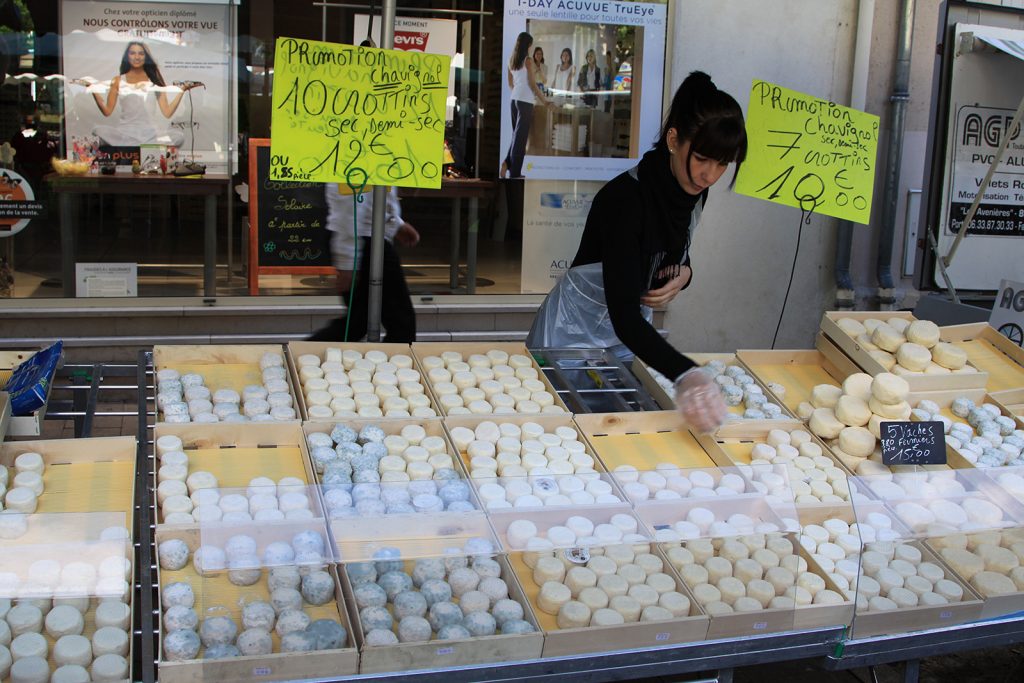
(634, 229)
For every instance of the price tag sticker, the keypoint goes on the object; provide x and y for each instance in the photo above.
(262, 671)
(760, 625)
(661, 637)
(441, 651)
(577, 555)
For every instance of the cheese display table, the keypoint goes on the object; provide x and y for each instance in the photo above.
(522, 543)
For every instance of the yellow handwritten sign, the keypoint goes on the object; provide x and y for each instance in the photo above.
(357, 115)
(809, 153)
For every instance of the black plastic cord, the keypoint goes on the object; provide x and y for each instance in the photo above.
(805, 217)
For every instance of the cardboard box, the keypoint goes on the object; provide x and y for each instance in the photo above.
(218, 591)
(572, 641)
(236, 453)
(990, 352)
(909, 619)
(83, 475)
(319, 349)
(642, 440)
(222, 366)
(423, 349)
(918, 381)
(667, 402)
(798, 372)
(449, 653)
(22, 425)
(550, 423)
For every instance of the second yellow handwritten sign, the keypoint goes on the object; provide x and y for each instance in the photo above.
(357, 115)
(809, 153)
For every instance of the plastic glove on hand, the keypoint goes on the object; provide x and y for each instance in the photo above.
(700, 401)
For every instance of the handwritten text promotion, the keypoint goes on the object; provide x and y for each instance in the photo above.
(809, 153)
(357, 115)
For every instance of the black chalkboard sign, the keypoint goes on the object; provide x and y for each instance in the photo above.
(913, 443)
(287, 223)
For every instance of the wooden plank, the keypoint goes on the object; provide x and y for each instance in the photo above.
(989, 351)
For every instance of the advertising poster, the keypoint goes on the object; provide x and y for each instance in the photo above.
(601, 66)
(1008, 311)
(147, 73)
(554, 215)
(979, 131)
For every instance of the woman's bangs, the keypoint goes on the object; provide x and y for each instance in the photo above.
(721, 138)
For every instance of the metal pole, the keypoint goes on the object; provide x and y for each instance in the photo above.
(1007, 134)
(380, 200)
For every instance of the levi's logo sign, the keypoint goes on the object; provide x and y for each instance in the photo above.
(411, 40)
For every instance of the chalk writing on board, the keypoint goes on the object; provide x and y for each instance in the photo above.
(357, 115)
(306, 254)
(913, 443)
(809, 153)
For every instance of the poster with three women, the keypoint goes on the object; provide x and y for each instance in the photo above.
(582, 87)
(148, 75)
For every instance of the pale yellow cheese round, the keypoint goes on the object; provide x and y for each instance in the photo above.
(923, 332)
(889, 389)
(852, 410)
(823, 423)
(887, 338)
(825, 395)
(913, 357)
(884, 358)
(857, 441)
(949, 356)
(552, 596)
(890, 411)
(858, 385)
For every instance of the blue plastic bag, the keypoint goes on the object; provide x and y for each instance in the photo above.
(30, 382)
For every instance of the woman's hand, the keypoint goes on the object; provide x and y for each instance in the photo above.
(407, 236)
(700, 401)
(656, 298)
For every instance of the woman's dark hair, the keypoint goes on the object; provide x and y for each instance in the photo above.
(710, 119)
(521, 51)
(149, 66)
(591, 53)
(565, 51)
(541, 51)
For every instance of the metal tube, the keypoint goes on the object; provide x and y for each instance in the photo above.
(900, 96)
(380, 202)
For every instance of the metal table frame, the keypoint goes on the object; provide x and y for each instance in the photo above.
(826, 646)
(602, 361)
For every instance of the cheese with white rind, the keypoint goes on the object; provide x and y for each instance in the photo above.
(949, 356)
(852, 410)
(889, 389)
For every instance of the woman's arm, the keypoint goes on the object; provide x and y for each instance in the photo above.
(107, 105)
(168, 107)
(508, 72)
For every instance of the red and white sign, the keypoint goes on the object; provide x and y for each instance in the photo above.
(411, 41)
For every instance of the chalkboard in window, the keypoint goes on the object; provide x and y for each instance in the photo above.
(913, 443)
(287, 223)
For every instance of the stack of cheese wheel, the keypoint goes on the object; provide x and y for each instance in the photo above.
(20, 493)
(897, 575)
(947, 515)
(749, 573)
(186, 398)
(986, 437)
(495, 382)
(454, 598)
(992, 562)
(924, 485)
(576, 531)
(292, 583)
(810, 475)
(606, 586)
(348, 383)
(742, 394)
(849, 418)
(905, 347)
(835, 546)
(371, 473)
(702, 522)
(527, 466)
(668, 482)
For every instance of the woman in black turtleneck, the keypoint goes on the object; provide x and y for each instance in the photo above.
(635, 250)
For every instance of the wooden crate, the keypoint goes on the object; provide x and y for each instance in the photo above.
(414, 535)
(917, 381)
(662, 398)
(990, 352)
(734, 451)
(423, 349)
(83, 475)
(798, 371)
(1011, 402)
(223, 366)
(236, 453)
(21, 425)
(433, 426)
(642, 440)
(994, 606)
(218, 591)
(945, 399)
(435, 654)
(560, 642)
(549, 422)
(319, 349)
(866, 624)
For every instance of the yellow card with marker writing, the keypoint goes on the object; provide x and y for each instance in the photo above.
(809, 153)
(359, 116)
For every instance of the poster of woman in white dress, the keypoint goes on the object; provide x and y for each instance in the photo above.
(142, 73)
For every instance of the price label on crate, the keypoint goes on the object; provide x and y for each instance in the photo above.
(913, 443)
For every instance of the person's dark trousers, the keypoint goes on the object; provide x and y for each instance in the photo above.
(397, 315)
(522, 117)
